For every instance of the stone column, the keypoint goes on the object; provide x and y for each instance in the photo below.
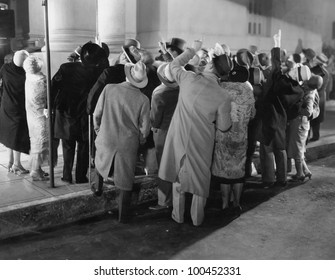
(111, 23)
(71, 23)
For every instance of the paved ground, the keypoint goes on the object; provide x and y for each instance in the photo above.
(296, 222)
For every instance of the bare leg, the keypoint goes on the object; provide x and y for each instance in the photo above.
(306, 170)
(225, 191)
(17, 158)
(298, 167)
(237, 190)
(10, 159)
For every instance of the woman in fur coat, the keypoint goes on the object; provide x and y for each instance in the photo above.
(36, 97)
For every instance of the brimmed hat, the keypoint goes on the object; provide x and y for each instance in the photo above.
(322, 59)
(136, 74)
(244, 57)
(125, 48)
(309, 53)
(165, 76)
(223, 64)
(91, 54)
(239, 74)
(177, 44)
(32, 64)
(19, 57)
(256, 76)
(315, 82)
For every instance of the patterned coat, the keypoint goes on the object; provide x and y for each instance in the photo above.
(36, 98)
(190, 139)
(231, 147)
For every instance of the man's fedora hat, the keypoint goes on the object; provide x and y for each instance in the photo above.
(92, 54)
(239, 74)
(165, 76)
(244, 57)
(136, 74)
(223, 64)
(125, 48)
(176, 44)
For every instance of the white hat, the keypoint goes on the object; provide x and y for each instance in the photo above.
(300, 74)
(165, 76)
(32, 64)
(136, 74)
(19, 57)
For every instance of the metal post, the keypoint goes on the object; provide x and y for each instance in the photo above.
(51, 134)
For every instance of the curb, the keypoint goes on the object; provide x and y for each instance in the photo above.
(34, 216)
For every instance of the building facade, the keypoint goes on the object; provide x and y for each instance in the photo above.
(238, 23)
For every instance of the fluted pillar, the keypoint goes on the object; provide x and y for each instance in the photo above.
(116, 22)
(71, 23)
(111, 23)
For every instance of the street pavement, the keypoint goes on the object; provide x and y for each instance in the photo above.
(291, 223)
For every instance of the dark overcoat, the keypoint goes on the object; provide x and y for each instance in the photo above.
(70, 87)
(14, 132)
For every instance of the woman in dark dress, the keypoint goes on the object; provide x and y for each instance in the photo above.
(13, 121)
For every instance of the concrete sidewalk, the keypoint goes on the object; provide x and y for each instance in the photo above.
(29, 206)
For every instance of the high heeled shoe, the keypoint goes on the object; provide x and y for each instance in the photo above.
(97, 191)
(308, 175)
(19, 170)
(10, 167)
(296, 178)
(38, 176)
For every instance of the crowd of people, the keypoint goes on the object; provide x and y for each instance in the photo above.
(201, 110)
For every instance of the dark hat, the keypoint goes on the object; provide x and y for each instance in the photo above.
(256, 76)
(223, 64)
(91, 54)
(296, 58)
(105, 48)
(176, 44)
(244, 57)
(315, 82)
(125, 48)
(239, 74)
(309, 53)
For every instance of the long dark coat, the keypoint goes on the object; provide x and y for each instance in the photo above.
(282, 93)
(13, 120)
(70, 87)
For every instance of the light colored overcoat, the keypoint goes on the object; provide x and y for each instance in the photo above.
(190, 139)
(121, 118)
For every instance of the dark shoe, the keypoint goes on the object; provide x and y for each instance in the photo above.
(309, 176)
(280, 184)
(66, 180)
(82, 181)
(237, 210)
(313, 139)
(97, 192)
(159, 208)
(296, 179)
(267, 185)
